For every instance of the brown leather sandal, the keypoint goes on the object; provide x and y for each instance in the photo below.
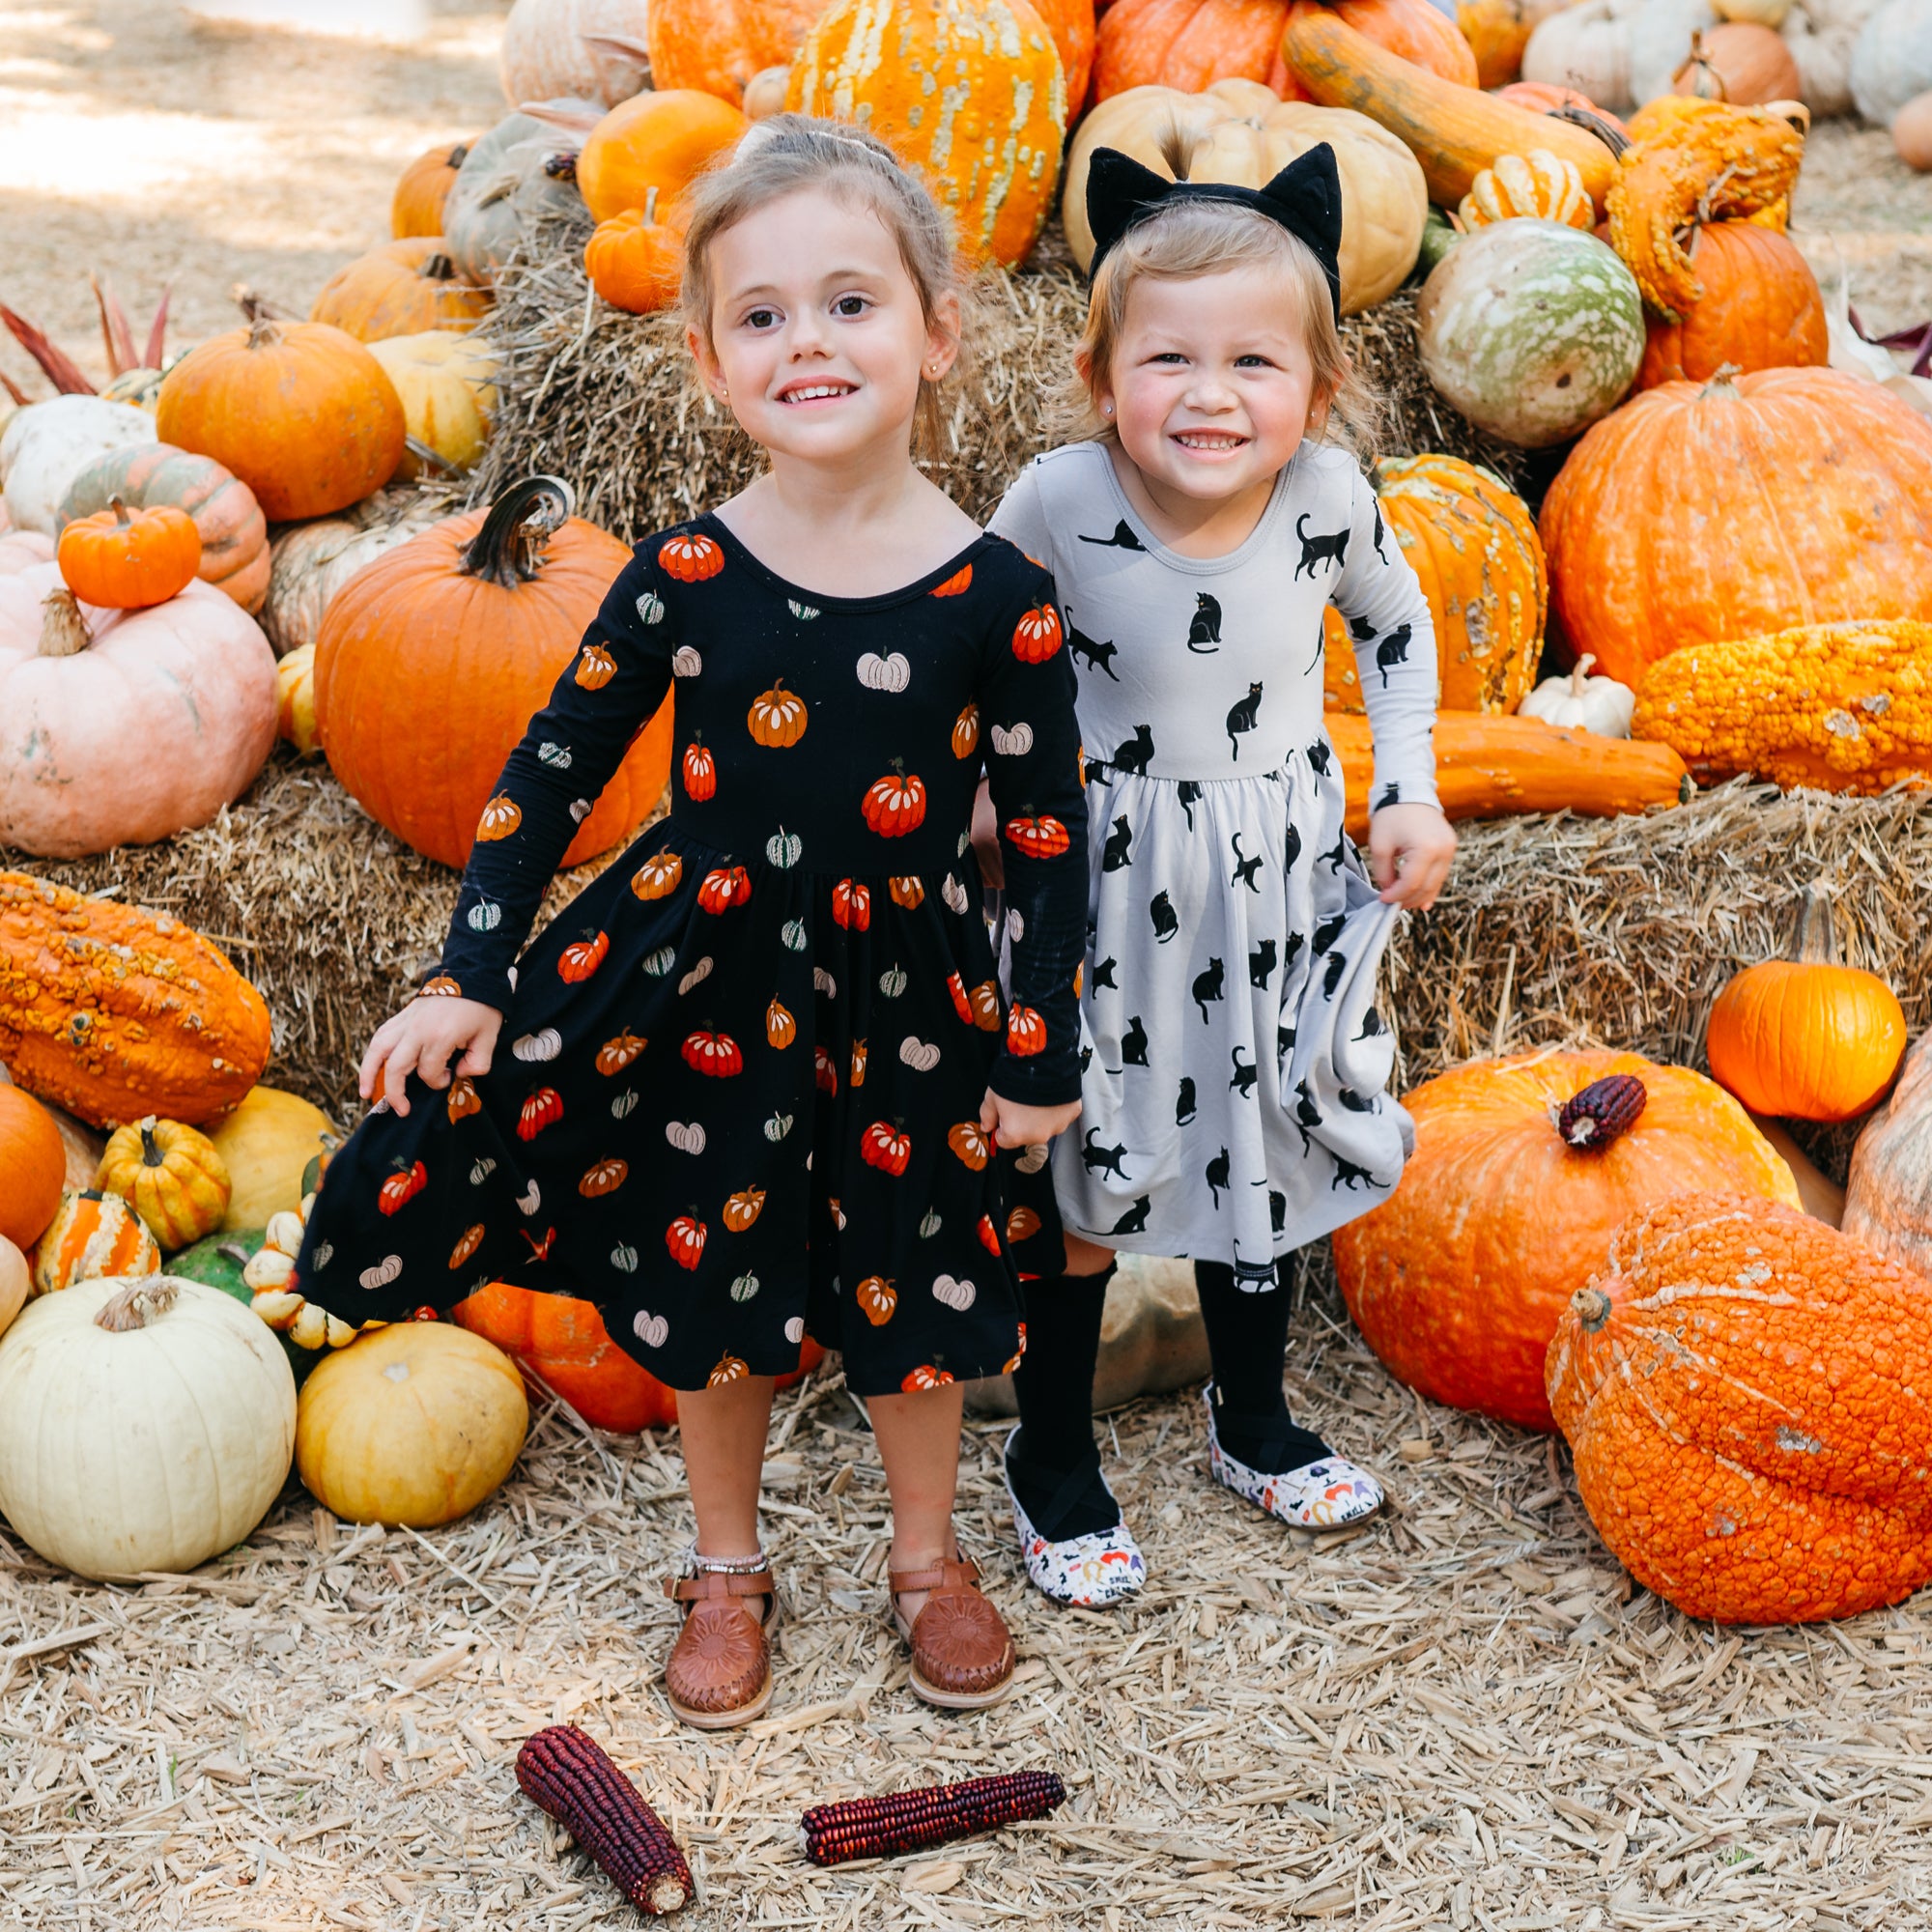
(962, 1653)
(720, 1671)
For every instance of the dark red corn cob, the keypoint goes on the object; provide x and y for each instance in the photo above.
(909, 1821)
(1595, 1115)
(565, 1771)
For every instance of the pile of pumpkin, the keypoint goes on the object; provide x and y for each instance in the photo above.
(1643, 1258)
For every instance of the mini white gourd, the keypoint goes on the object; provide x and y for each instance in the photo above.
(1598, 704)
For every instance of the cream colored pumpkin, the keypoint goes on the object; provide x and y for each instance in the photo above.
(1889, 1194)
(447, 382)
(1536, 187)
(48, 444)
(1821, 35)
(591, 48)
(125, 727)
(1598, 704)
(14, 1283)
(1586, 48)
(266, 1144)
(310, 562)
(1238, 131)
(414, 1424)
(144, 1425)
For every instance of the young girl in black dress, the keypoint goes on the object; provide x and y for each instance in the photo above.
(755, 1072)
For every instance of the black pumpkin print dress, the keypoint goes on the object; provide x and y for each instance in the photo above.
(737, 1091)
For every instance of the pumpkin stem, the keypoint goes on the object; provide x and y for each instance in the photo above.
(261, 315)
(1593, 123)
(509, 549)
(151, 1148)
(62, 629)
(130, 1308)
(438, 268)
(562, 167)
(1592, 1308)
(122, 518)
(1581, 674)
(1814, 939)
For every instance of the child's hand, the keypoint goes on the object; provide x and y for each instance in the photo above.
(1013, 1123)
(986, 837)
(423, 1039)
(1409, 850)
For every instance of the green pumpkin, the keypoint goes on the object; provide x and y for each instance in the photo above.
(219, 1261)
(1438, 236)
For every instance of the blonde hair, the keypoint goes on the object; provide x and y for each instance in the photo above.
(1184, 240)
(788, 153)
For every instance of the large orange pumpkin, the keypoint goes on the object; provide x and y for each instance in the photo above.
(657, 140)
(33, 1166)
(1458, 1280)
(563, 1343)
(1071, 23)
(720, 47)
(431, 661)
(971, 97)
(400, 289)
(1748, 1397)
(301, 412)
(1473, 545)
(1751, 504)
(1805, 1038)
(1760, 309)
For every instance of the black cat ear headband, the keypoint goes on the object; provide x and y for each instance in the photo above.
(1305, 198)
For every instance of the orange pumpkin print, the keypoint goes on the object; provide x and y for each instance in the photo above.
(472, 1240)
(886, 1147)
(543, 1109)
(1026, 1031)
(659, 876)
(852, 905)
(402, 1187)
(689, 558)
(595, 667)
(925, 1376)
(957, 986)
(463, 1099)
(615, 1055)
(715, 1054)
(1037, 838)
(685, 1239)
(989, 1235)
(776, 718)
(908, 891)
(895, 805)
(968, 1140)
(442, 987)
(1022, 1225)
(985, 1005)
(605, 1177)
(780, 1029)
(743, 1208)
(723, 887)
(957, 584)
(966, 732)
(1037, 634)
(824, 1075)
(700, 771)
(730, 1368)
(582, 957)
(1019, 1354)
(502, 816)
(877, 1298)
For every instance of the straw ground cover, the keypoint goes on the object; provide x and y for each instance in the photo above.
(1464, 1717)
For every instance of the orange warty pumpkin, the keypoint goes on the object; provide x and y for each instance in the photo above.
(636, 261)
(423, 187)
(32, 1167)
(1458, 1279)
(991, 154)
(300, 411)
(1751, 504)
(661, 139)
(1761, 309)
(1472, 543)
(470, 623)
(402, 288)
(1804, 1038)
(1748, 1398)
(720, 47)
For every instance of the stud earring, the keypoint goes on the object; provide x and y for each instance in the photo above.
(1106, 409)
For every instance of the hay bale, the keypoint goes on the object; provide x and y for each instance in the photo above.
(603, 399)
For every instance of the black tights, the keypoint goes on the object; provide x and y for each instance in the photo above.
(1055, 1465)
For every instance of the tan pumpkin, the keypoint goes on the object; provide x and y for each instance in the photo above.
(112, 1012)
(33, 1166)
(171, 1176)
(267, 1144)
(310, 562)
(1536, 187)
(15, 1283)
(1889, 1194)
(585, 50)
(125, 727)
(447, 383)
(402, 288)
(1240, 131)
(92, 1235)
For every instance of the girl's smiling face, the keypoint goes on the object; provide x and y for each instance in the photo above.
(817, 339)
(1212, 385)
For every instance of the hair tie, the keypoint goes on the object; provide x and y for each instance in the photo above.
(1305, 198)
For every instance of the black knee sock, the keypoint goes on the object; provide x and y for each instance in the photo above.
(1054, 1467)
(1248, 1336)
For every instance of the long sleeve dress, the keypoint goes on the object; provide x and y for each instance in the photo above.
(737, 1089)
(1234, 1103)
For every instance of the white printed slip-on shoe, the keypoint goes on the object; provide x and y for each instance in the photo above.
(1328, 1493)
(1087, 1572)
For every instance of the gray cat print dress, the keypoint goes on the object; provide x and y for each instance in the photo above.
(1233, 1102)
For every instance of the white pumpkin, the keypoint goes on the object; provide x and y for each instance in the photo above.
(309, 562)
(1598, 704)
(1892, 60)
(15, 1280)
(1585, 47)
(1660, 32)
(593, 48)
(1822, 48)
(48, 444)
(144, 1425)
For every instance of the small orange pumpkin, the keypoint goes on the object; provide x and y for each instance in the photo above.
(700, 771)
(463, 1099)
(582, 957)
(604, 1176)
(634, 261)
(966, 732)
(743, 1208)
(595, 667)
(968, 1140)
(906, 890)
(502, 816)
(730, 1368)
(984, 1002)
(685, 1239)
(416, 207)
(472, 1240)
(1026, 1031)
(780, 1029)
(877, 1298)
(895, 805)
(858, 1063)
(852, 905)
(659, 876)
(128, 562)
(615, 1055)
(777, 716)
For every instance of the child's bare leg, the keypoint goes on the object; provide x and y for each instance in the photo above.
(1084, 1257)
(918, 1443)
(724, 1430)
